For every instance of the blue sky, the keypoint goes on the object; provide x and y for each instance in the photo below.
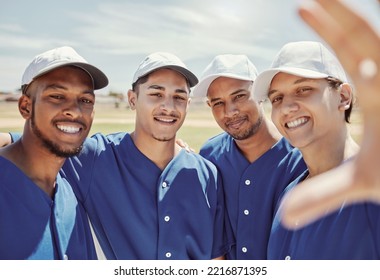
(115, 35)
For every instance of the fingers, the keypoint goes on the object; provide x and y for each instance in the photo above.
(184, 145)
(346, 32)
(355, 43)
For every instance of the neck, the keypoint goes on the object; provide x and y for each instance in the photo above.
(35, 162)
(259, 143)
(159, 152)
(322, 158)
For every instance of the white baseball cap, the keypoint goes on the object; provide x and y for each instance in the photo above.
(58, 57)
(305, 59)
(160, 60)
(234, 66)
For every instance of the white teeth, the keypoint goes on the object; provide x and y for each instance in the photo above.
(296, 123)
(68, 129)
(165, 120)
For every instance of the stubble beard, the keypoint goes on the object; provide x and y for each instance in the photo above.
(252, 130)
(50, 145)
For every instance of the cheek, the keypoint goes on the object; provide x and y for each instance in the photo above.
(183, 107)
(88, 113)
(275, 117)
(217, 113)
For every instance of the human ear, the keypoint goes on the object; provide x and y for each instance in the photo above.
(132, 98)
(25, 106)
(346, 96)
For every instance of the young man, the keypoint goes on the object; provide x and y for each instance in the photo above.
(359, 179)
(146, 197)
(39, 214)
(256, 163)
(311, 104)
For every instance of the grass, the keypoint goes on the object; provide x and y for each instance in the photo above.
(197, 128)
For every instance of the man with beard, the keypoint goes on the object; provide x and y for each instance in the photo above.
(255, 162)
(147, 197)
(39, 214)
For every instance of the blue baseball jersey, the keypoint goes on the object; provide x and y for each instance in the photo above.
(251, 191)
(141, 212)
(352, 232)
(33, 226)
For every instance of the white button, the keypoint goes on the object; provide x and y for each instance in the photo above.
(167, 218)
(244, 249)
(65, 257)
(164, 184)
(247, 182)
(246, 212)
(287, 258)
(168, 254)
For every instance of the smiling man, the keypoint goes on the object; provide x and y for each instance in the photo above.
(40, 216)
(146, 197)
(255, 162)
(311, 106)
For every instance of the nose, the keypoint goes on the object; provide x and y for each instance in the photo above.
(167, 104)
(73, 109)
(230, 109)
(289, 105)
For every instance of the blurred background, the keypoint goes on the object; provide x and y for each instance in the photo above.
(115, 35)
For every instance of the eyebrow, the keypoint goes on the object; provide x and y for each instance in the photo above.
(233, 93)
(57, 86)
(301, 80)
(158, 87)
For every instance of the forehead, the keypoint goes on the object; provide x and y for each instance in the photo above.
(166, 74)
(68, 74)
(284, 79)
(226, 83)
(229, 81)
(66, 77)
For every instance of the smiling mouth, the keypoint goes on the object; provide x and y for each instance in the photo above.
(235, 123)
(297, 122)
(165, 120)
(68, 129)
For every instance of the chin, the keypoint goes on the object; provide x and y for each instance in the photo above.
(163, 138)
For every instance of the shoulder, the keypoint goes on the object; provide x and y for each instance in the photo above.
(110, 138)
(217, 145)
(100, 142)
(290, 155)
(194, 160)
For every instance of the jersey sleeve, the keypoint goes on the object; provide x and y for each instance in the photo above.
(79, 170)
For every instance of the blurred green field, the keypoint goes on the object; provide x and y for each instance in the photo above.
(198, 127)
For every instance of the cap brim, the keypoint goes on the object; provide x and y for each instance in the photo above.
(201, 89)
(99, 78)
(193, 80)
(264, 79)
